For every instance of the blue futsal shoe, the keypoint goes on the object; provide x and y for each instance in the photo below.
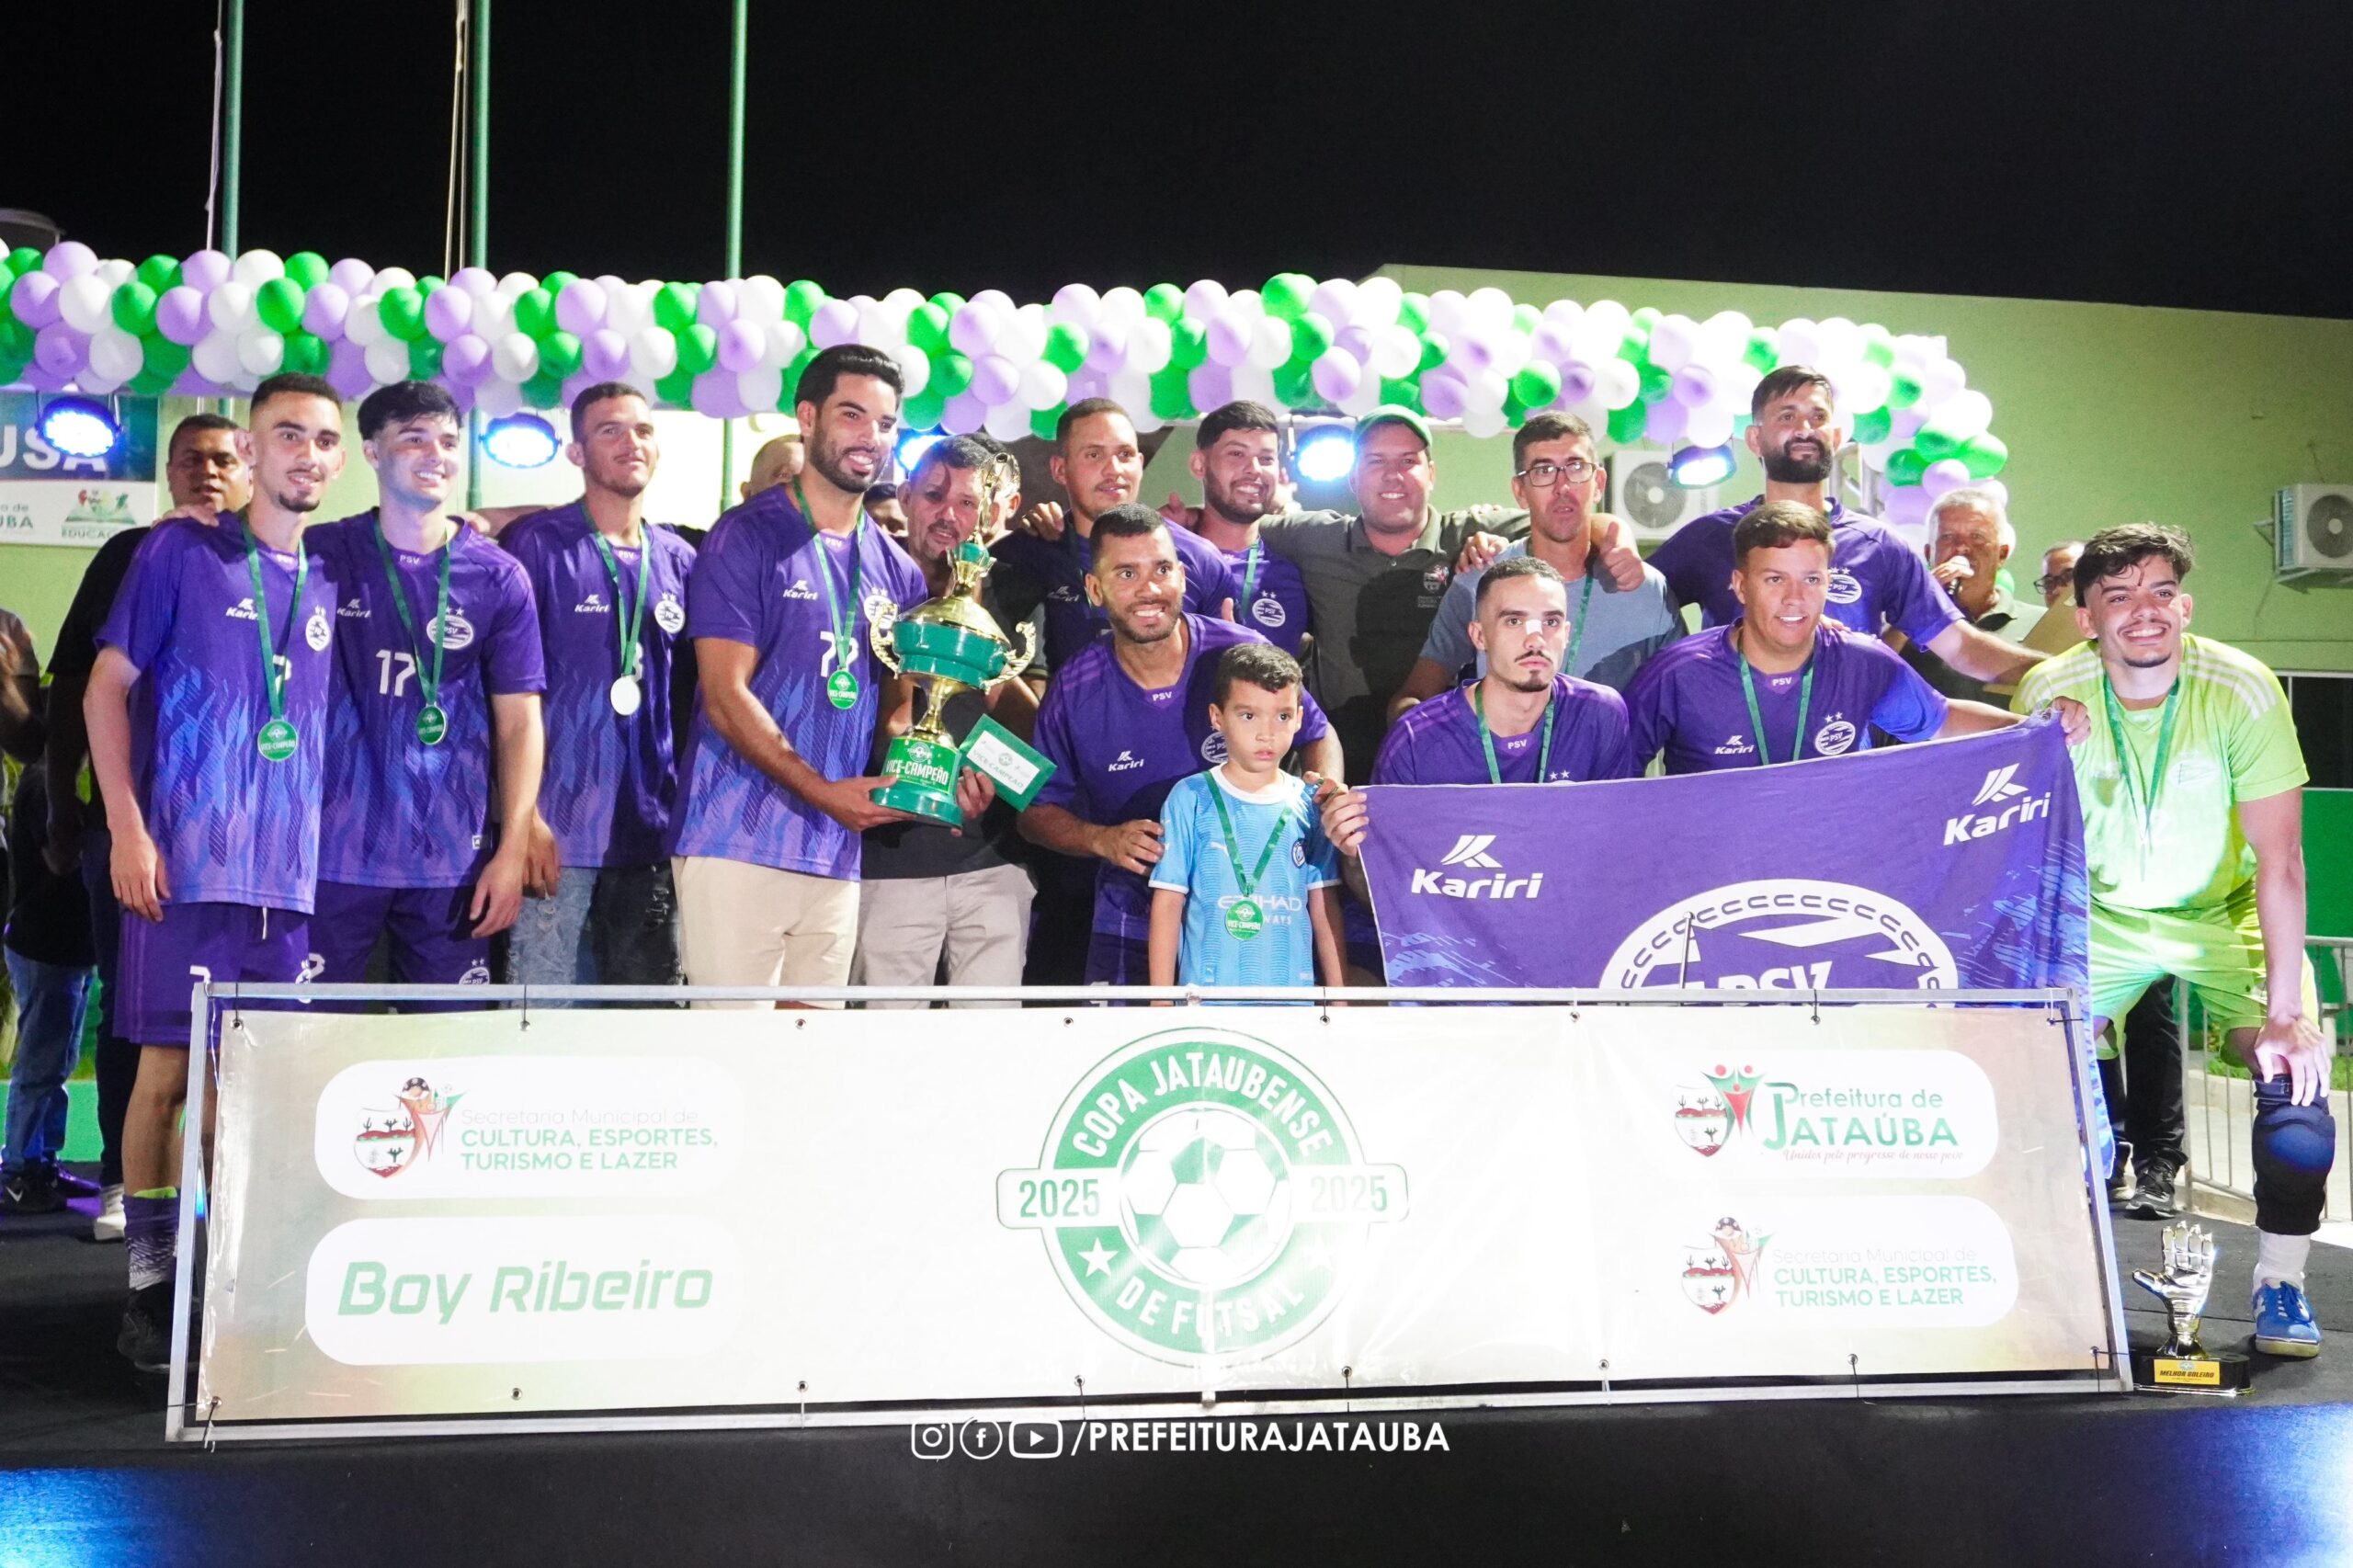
(2283, 1323)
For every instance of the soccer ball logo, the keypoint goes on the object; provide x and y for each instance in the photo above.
(1206, 1193)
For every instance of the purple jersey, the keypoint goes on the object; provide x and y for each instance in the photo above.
(1119, 749)
(1876, 580)
(1269, 595)
(1031, 571)
(758, 581)
(231, 825)
(1689, 700)
(1437, 742)
(401, 813)
(611, 778)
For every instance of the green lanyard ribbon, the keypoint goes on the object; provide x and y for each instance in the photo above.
(1258, 558)
(1487, 738)
(1243, 918)
(277, 738)
(1577, 632)
(841, 686)
(431, 724)
(1757, 718)
(632, 654)
(2132, 786)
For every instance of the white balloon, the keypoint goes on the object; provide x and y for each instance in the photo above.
(494, 316)
(1248, 301)
(361, 323)
(515, 357)
(782, 344)
(1007, 421)
(90, 384)
(231, 308)
(1270, 341)
(1131, 390)
(387, 360)
(1966, 413)
(515, 285)
(1566, 312)
(497, 399)
(628, 309)
(1253, 383)
(763, 390)
(999, 302)
(1107, 345)
(914, 373)
(1861, 388)
(1875, 453)
(1485, 389)
(1596, 340)
(875, 328)
(1483, 422)
(214, 355)
(1489, 307)
(1449, 313)
(391, 277)
(1939, 380)
(1615, 384)
(654, 352)
(1395, 351)
(1842, 341)
(117, 272)
(1076, 304)
(84, 302)
(1610, 316)
(115, 354)
(901, 303)
(1709, 425)
(1335, 300)
(1043, 386)
(1150, 344)
(1205, 301)
(1510, 351)
(1361, 402)
(1122, 305)
(1024, 338)
(257, 267)
(1378, 302)
(759, 300)
(1800, 342)
(1674, 342)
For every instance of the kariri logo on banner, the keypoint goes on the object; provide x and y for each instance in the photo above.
(1720, 1270)
(1822, 934)
(2007, 803)
(1202, 1198)
(1471, 854)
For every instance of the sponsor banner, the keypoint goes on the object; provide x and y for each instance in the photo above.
(896, 1210)
(47, 497)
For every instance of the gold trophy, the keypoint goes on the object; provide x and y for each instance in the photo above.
(949, 644)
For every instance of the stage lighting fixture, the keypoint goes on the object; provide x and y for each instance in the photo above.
(1325, 456)
(1699, 467)
(80, 427)
(912, 446)
(520, 440)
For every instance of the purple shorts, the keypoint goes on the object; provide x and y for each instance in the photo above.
(230, 941)
(429, 930)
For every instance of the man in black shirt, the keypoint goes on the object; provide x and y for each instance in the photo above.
(50, 958)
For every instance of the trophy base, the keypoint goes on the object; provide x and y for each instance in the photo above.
(923, 802)
(2223, 1372)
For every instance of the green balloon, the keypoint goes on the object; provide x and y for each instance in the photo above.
(1648, 317)
(1902, 391)
(543, 391)
(1189, 345)
(555, 282)
(952, 372)
(1873, 427)
(1404, 391)
(1172, 398)
(1878, 348)
(801, 298)
(677, 388)
(1656, 384)
(159, 272)
(535, 312)
(1524, 319)
(928, 327)
(1434, 351)
(1635, 346)
(949, 303)
(1310, 335)
(1295, 385)
(673, 307)
(305, 355)
(559, 354)
(1514, 411)
(698, 348)
(1905, 468)
(1626, 423)
(1285, 294)
(402, 313)
(160, 353)
(1066, 347)
(134, 307)
(15, 340)
(791, 400)
(1764, 350)
(1536, 384)
(307, 268)
(430, 281)
(1986, 455)
(1164, 302)
(1414, 311)
(150, 382)
(922, 411)
(23, 259)
(10, 369)
(424, 359)
(278, 304)
(1043, 421)
(1937, 442)
(7, 281)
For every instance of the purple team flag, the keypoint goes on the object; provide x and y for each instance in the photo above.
(1956, 864)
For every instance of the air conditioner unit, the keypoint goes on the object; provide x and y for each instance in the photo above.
(2311, 532)
(1653, 505)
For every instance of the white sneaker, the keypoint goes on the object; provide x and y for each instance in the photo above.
(108, 1226)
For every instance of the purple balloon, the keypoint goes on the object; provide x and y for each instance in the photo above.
(323, 310)
(179, 315)
(715, 306)
(1086, 382)
(1577, 383)
(963, 414)
(59, 350)
(190, 384)
(605, 355)
(1445, 394)
(474, 280)
(716, 394)
(463, 397)
(1208, 383)
(348, 371)
(574, 384)
(448, 312)
(34, 300)
(741, 344)
(996, 379)
(351, 274)
(580, 307)
(45, 381)
(69, 258)
(466, 362)
(1357, 341)
(1666, 422)
(205, 271)
(1694, 385)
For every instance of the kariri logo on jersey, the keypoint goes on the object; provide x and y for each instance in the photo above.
(318, 631)
(242, 610)
(1470, 855)
(1126, 762)
(2002, 802)
(352, 609)
(593, 605)
(800, 589)
(1735, 745)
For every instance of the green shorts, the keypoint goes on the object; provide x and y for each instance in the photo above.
(2218, 951)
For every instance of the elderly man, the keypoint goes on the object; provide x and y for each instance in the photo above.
(1972, 538)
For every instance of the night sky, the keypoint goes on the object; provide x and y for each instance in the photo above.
(2154, 155)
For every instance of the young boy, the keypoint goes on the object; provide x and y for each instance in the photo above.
(1246, 838)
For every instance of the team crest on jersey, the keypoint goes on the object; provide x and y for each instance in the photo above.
(1213, 749)
(879, 605)
(669, 614)
(478, 975)
(1834, 738)
(1434, 578)
(453, 634)
(1843, 588)
(1267, 610)
(317, 632)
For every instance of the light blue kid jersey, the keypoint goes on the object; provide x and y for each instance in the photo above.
(1194, 861)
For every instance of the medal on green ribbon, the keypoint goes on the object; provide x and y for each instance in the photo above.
(841, 686)
(1757, 716)
(2146, 794)
(628, 690)
(432, 723)
(1243, 918)
(278, 738)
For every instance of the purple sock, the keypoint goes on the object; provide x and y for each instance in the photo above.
(150, 1228)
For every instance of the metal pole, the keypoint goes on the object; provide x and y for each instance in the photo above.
(478, 220)
(232, 128)
(735, 216)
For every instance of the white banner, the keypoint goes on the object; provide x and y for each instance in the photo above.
(632, 1209)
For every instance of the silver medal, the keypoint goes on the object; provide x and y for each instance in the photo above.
(627, 695)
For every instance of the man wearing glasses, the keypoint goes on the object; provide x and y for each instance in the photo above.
(2057, 584)
(1612, 631)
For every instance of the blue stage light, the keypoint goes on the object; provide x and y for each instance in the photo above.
(1326, 456)
(80, 427)
(912, 446)
(1699, 467)
(520, 440)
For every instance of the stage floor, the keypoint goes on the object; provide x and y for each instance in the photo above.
(86, 1478)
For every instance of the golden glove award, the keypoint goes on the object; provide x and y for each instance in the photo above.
(2182, 1364)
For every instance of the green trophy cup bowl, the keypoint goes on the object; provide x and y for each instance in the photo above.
(949, 645)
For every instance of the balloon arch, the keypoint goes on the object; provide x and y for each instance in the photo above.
(209, 324)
